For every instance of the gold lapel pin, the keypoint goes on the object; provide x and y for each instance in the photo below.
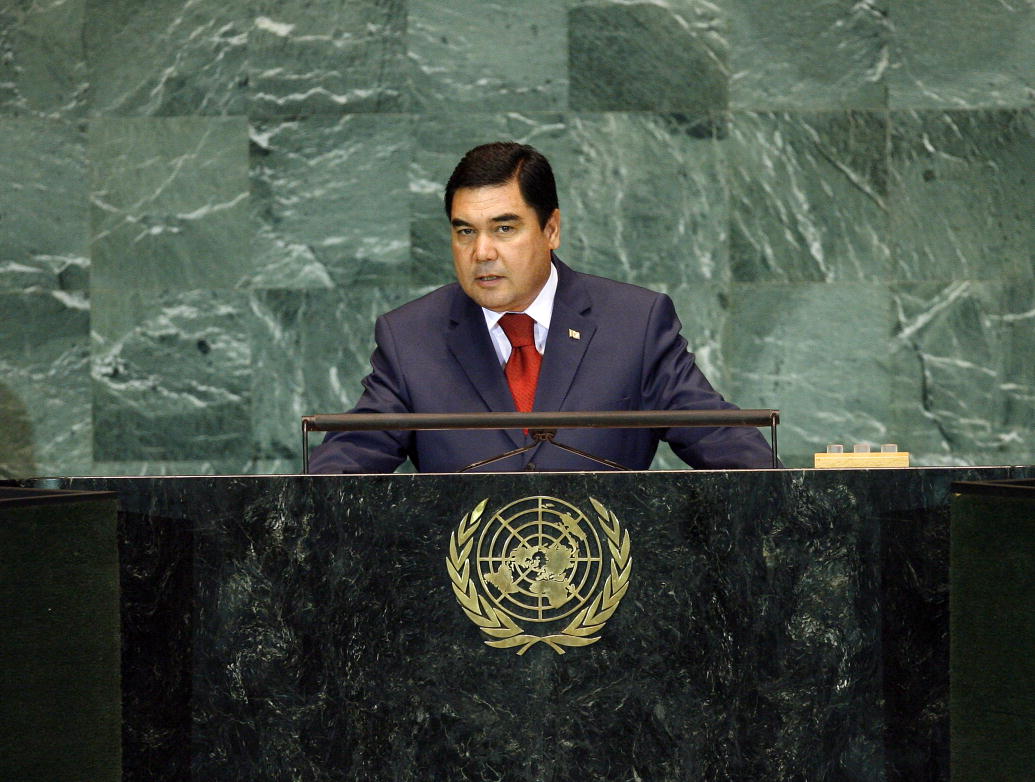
(574, 334)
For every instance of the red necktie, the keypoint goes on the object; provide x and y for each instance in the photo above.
(522, 368)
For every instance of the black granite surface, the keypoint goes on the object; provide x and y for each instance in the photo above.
(59, 636)
(784, 625)
(992, 699)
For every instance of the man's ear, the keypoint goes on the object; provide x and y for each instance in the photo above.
(552, 229)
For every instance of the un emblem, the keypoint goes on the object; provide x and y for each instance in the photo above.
(541, 562)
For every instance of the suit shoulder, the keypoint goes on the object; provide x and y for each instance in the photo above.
(436, 303)
(604, 290)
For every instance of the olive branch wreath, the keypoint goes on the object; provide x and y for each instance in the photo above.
(498, 624)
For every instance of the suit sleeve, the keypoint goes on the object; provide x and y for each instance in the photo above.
(673, 381)
(384, 392)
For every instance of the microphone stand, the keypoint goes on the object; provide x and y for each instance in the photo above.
(545, 436)
(542, 426)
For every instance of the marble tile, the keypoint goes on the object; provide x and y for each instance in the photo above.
(172, 376)
(166, 57)
(291, 465)
(811, 55)
(962, 54)
(44, 218)
(647, 201)
(42, 67)
(330, 199)
(668, 57)
(44, 383)
(962, 189)
(440, 141)
(472, 55)
(809, 196)
(966, 347)
(47, 272)
(328, 57)
(813, 352)
(310, 351)
(125, 171)
(173, 467)
(169, 203)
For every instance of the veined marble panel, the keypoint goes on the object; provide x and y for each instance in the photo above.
(166, 57)
(962, 54)
(310, 351)
(169, 203)
(44, 219)
(330, 197)
(811, 54)
(813, 351)
(962, 194)
(473, 55)
(809, 196)
(648, 203)
(172, 375)
(966, 347)
(440, 141)
(327, 57)
(42, 65)
(238, 466)
(670, 56)
(44, 383)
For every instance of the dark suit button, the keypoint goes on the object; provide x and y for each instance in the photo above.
(530, 467)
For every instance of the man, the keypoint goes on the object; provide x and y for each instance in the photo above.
(468, 346)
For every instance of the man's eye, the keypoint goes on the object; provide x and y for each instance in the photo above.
(464, 232)
(505, 229)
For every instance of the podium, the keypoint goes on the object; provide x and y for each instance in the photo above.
(993, 630)
(774, 624)
(59, 641)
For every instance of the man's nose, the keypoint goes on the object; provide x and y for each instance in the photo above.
(485, 248)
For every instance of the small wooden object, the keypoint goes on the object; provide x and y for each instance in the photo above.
(862, 457)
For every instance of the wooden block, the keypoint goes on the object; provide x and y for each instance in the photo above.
(840, 461)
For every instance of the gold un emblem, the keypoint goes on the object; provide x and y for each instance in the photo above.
(538, 562)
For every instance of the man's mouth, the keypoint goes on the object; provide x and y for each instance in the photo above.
(488, 277)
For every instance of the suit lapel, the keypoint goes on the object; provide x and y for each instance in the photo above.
(469, 342)
(571, 330)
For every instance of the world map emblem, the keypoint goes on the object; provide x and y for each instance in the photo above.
(539, 570)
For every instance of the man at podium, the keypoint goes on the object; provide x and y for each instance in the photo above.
(521, 331)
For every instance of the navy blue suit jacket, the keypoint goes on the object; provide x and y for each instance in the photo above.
(434, 355)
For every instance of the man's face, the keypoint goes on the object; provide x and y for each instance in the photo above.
(500, 254)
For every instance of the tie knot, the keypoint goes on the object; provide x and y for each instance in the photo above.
(519, 329)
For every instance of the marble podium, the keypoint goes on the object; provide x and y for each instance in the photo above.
(992, 699)
(59, 636)
(783, 624)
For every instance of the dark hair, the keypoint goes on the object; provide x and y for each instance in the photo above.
(498, 163)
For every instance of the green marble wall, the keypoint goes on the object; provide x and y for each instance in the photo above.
(203, 205)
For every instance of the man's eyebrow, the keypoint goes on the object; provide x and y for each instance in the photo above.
(509, 217)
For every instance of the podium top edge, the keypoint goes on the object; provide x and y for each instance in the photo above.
(20, 497)
(1006, 487)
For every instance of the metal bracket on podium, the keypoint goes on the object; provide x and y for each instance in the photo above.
(541, 426)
